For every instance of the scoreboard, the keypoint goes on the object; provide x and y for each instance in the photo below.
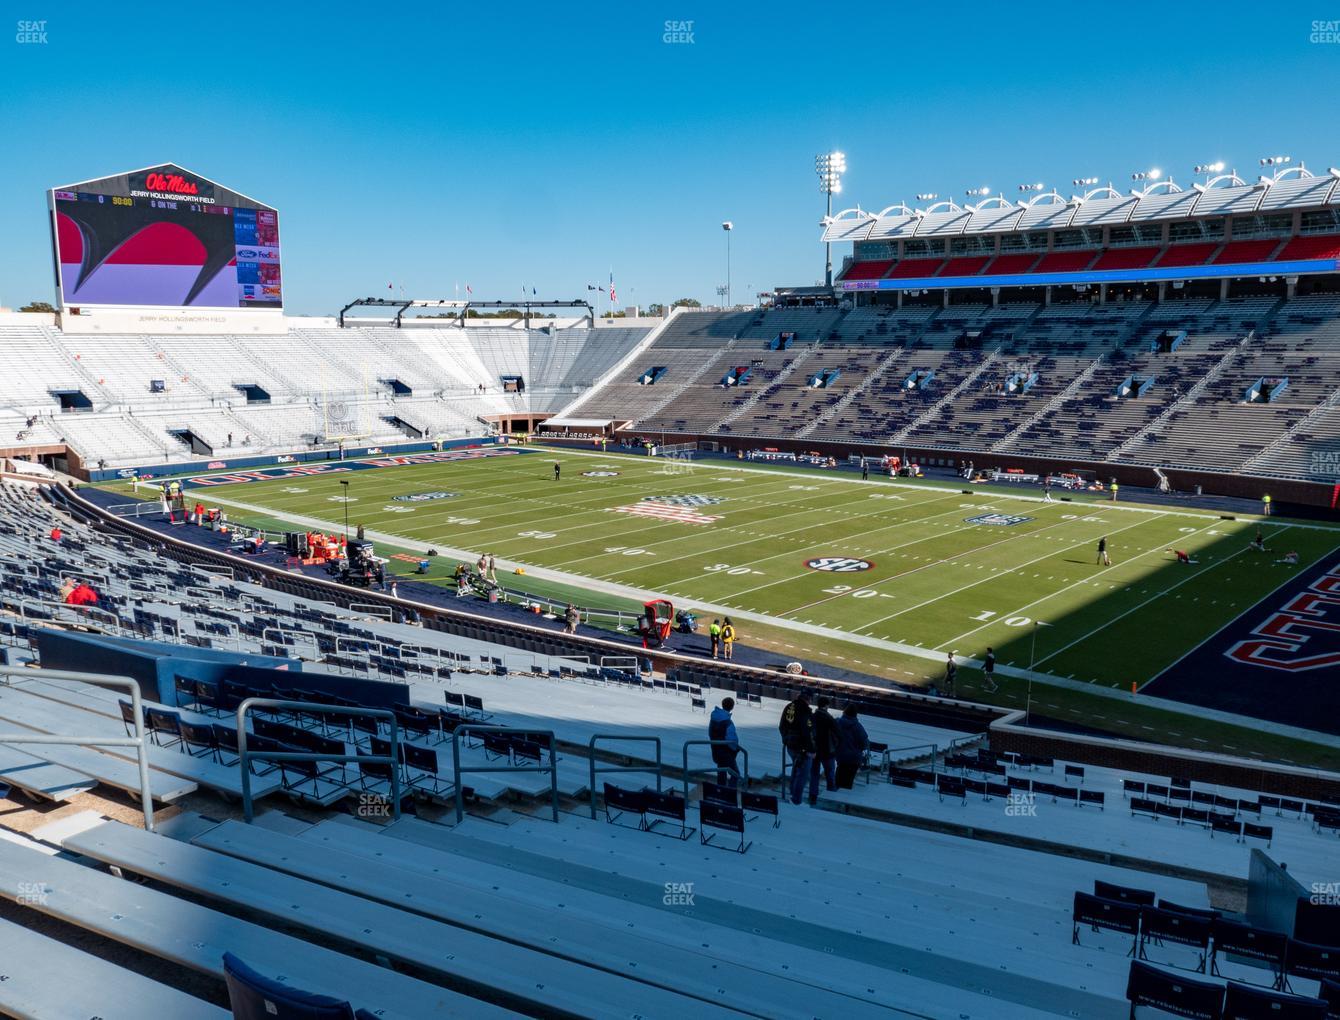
(164, 237)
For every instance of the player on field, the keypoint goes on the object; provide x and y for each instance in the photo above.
(865, 470)
(1102, 552)
(989, 670)
(951, 672)
(557, 468)
(1259, 542)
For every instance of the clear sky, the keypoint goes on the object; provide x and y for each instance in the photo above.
(509, 144)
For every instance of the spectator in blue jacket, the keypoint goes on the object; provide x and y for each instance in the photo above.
(853, 743)
(722, 727)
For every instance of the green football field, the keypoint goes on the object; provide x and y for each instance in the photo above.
(899, 568)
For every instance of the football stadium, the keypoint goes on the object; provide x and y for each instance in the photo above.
(776, 656)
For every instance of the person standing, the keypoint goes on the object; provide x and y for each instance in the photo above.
(797, 729)
(1115, 487)
(558, 468)
(853, 743)
(865, 470)
(721, 727)
(395, 590)
(571, 619)
(825, 750)
(989, 670)
(727, 639)
(714, 637)
(951, 673)
(1102, 552)
(493, 568)
(1265, 504)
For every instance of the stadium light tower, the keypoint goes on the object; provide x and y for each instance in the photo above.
(728, 226)
(830, 167)
(1147, 175)
(1208, 169)
(1084, 182)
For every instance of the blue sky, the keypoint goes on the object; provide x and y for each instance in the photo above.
(542, 144)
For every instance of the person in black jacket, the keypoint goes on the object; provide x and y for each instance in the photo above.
(825, 750)
(853, 742)
(797, 729)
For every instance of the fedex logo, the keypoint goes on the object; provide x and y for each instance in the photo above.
(1303, 634)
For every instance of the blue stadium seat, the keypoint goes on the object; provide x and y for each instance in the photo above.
(253, 996)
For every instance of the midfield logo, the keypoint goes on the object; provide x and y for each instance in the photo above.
(691, 500)
(423, 497)
(838, 564)
(998, 520)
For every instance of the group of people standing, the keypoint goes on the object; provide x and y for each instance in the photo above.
(721, 636)
(816, 742)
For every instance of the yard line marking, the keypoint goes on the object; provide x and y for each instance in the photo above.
(1152, 598)
(1000, 573)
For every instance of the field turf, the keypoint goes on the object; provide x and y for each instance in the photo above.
(946, 571)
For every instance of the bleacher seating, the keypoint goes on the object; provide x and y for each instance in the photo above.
(319, 381)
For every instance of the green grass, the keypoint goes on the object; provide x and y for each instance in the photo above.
(937, 583)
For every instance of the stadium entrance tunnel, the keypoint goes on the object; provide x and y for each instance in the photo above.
(413, 431)
(72, 400)
(253, 393)
(398, 388)
(192, 441)
(1231, 627)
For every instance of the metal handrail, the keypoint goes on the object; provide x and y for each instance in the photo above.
(371, 608)
(305, 635)
(245, 756)
(551, 768)
(591, 753)
(715, 768)
(137, 741)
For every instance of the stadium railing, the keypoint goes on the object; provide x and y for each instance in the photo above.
(136, 741)
(511, 731)
(601, 767)
(246, 755)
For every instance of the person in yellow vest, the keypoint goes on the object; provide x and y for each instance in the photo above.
(1114, 490)
(714, 637)
(1265, 504)
(727, 639)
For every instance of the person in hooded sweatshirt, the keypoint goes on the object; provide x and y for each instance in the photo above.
(853, 743)
(797, 729)
(825, 750)
(722, 727)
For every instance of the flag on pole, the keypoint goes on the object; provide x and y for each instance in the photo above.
(613, 299)
(468, 289)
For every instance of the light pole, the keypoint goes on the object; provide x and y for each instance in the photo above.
(345, 482)
(728, 226)
(830, 167)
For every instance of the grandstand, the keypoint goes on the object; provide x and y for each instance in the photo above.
(148, 400)
(246, 780)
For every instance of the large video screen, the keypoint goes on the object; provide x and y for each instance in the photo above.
(167, 238)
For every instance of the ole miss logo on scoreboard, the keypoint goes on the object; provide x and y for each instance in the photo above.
(1301, 635)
